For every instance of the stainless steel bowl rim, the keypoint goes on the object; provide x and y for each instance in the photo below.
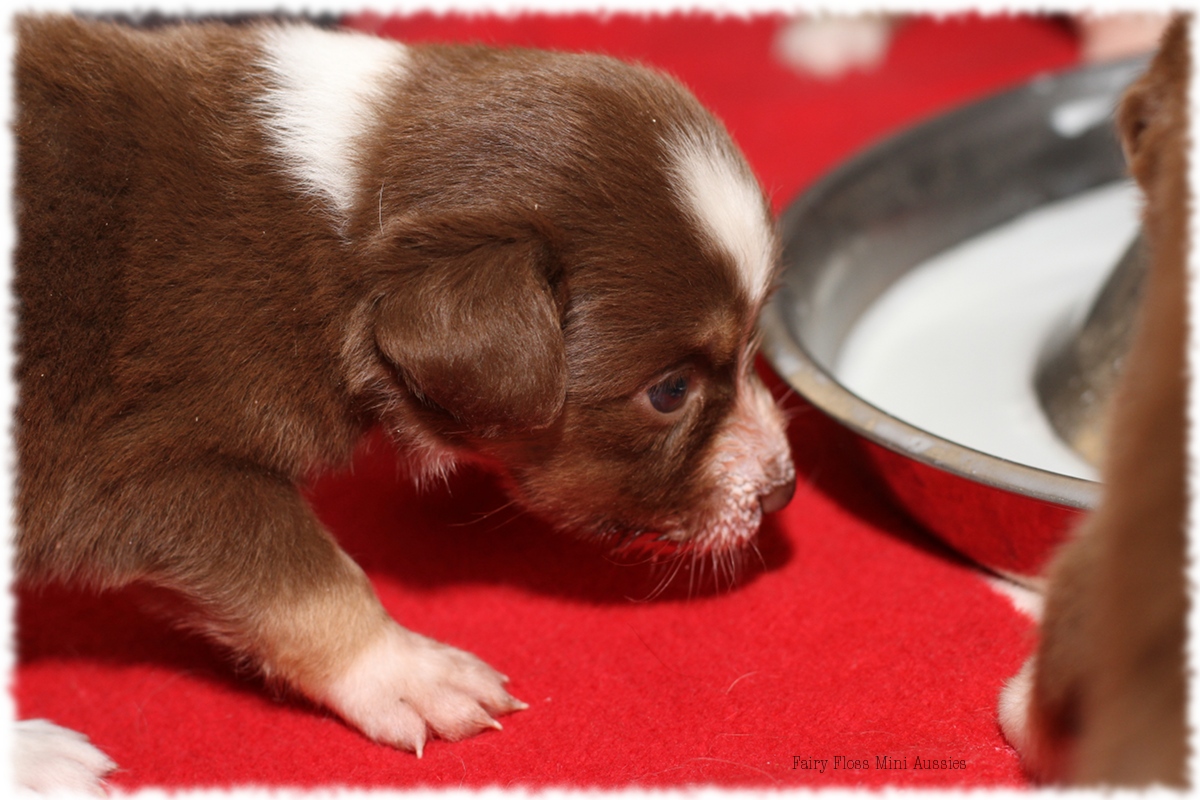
(796, 365)
(827, 394)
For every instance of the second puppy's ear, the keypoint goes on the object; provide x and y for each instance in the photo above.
(1149, 107)
(475, 329)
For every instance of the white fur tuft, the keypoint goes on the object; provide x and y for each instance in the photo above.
(725, 200)
(327, 86)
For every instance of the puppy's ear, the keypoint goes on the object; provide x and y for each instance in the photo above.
(475, 329)
(1147, 108)
(1137, 109)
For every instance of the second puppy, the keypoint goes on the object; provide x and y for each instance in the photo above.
(1103, 700)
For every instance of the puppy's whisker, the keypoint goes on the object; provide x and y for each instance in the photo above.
(758, 554)
(381, 185)
(653, 559)
(485, 515)
(788, 393)
(676, 560)
(722, 569)
(736, 564)
(722, 575)
(481, 517)
(793, 412)
(674, 563)
(665, 562)
(694, 569)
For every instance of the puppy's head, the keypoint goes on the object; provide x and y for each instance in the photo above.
(571, 267)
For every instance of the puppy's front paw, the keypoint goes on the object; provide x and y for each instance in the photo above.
(1013, 711)
(403, 683)
(1022, 723)
(51, 759)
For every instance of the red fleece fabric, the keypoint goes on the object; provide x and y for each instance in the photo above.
(854, 650)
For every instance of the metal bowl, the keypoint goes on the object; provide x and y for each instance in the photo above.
(908, 198)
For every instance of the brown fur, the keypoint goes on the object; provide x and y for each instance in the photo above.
(1109, 696)
(198, 338)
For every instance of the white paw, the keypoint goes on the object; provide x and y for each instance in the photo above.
(1013, 711)
(1028, 596)
(51, 759)
(405, 683)
(1042, 757)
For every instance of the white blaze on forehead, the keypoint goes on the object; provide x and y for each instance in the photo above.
(726, 202)
(326, 88)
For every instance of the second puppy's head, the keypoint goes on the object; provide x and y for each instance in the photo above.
(570, 256)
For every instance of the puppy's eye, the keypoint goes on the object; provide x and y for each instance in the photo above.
(668, 395)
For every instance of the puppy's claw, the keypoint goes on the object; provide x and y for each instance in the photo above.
(502, 703)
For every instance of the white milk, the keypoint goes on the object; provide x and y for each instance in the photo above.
(951, 348)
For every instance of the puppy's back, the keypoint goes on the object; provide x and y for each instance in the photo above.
(106, 132)
(171, 290)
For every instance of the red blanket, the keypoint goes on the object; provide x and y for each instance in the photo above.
(856, 651)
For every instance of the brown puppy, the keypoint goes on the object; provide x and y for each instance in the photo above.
(240, 247)
(1103, 700)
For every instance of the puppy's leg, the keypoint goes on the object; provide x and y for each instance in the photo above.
(335, 642)
(1110, 680)
(1136, 732)
(273, 585)
(1102, 702)
(1039, 707)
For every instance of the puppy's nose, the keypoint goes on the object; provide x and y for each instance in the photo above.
(778, 497)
